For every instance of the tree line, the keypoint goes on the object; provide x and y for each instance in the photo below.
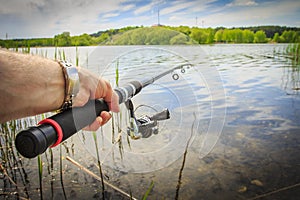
(65, 39)
(260, 34)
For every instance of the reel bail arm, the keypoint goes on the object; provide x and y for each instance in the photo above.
(133, 129)
(144, 126)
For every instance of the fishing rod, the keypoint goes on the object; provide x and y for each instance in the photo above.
(53, 130)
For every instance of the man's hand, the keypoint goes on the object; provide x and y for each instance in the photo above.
(93, 87)
(32, 85)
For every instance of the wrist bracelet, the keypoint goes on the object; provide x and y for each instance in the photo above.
(72, 83)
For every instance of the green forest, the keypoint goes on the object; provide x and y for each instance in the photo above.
(165, 35)
(151, 36)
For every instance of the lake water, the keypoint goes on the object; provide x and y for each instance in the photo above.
(237, 110)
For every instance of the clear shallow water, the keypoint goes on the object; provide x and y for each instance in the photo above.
(245, 136)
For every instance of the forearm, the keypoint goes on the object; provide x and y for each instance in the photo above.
(29, 85)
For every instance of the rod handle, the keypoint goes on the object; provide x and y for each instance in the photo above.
(57, 128)
(53, 130)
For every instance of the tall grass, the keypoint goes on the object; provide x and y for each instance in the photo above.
(99, 164)
(11, 165)
(61, 171)
(290, 57)
(117, 119)
(292, 74)
(40, 167)
(294, 51)
(77, 57)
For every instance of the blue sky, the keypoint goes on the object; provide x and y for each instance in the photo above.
(46, 18)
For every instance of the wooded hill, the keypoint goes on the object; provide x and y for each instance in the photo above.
(165, 35)
(151, 36)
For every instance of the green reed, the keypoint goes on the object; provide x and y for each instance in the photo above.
(11, 162)
(77, 56)
(294, 51)
(61, 171)
(50, 167)
(55, 53)
(40, 167)
(113, 115)
(26, 49)
(148, 191)
(99, 164)
(117, 74)
(180, 174)
(119, 115)
(8, 162)
(87, 60)
(62, 55)
(291, 68)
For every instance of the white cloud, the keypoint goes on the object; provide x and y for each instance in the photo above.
(202, 6)
(177, 6)
(143, 9)
(128, 7)
(242, 3)
(108, 15)
(154, 4)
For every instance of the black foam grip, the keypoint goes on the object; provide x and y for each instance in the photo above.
(74, 119)
(35, 140)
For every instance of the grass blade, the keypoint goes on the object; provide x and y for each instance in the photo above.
(148, 191)
(40, 166)
(99, 164)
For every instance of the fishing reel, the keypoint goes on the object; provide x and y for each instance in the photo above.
(144, 126)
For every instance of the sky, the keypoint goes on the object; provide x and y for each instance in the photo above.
(47, 18)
